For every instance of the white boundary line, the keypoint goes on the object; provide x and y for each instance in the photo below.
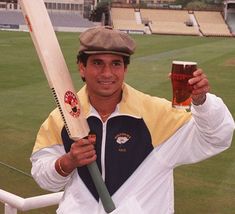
(14, 168)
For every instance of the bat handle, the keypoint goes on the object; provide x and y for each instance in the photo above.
(101, 188)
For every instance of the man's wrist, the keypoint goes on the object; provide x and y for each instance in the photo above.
(200, 101)
(64, 165)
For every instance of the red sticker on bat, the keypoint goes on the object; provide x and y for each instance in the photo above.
(71, 103)
(28, 23)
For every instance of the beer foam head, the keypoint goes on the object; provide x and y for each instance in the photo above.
(184, 63)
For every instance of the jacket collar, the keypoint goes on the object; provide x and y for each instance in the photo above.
(128, 105)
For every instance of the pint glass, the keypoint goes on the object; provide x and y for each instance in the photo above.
(180, 74)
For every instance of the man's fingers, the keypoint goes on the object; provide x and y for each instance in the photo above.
(79, 149)
(201, 90)
(201, 84)
(86, 161)
(82, 142)
(198, 76)
(92, 138)
(82, 152)
(87, 155)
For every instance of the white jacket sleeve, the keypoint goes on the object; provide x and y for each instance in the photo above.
(43, 168)
(208, 133)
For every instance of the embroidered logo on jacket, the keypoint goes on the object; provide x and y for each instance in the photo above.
(121, 139)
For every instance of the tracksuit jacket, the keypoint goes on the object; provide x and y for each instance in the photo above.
(138, 147)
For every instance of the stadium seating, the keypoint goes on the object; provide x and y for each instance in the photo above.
(125, 19)
(211, 23)
(123, 13)
(168, 21)
(128, 25)
(69, 19)
(165, 15)
(11, 17)
(58, 19)
(178, 22)
(172, 28)
(156, 21)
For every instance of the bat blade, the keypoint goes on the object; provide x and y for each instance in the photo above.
(60, 82)
(55, 68)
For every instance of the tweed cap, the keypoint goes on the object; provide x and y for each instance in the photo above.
(105, 39)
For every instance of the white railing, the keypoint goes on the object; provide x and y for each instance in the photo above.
(13, 203)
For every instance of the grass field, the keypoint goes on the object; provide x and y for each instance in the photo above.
(25, 101)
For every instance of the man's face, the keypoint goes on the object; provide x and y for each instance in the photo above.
(104, 74)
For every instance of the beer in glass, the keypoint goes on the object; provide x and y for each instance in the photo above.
(181, 72)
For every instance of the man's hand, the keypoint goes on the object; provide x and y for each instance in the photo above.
(82, 153)
(200, 86)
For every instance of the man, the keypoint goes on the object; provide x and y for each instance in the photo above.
(139, 139)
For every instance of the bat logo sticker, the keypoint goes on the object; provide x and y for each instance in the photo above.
(28, 23)
(71, 103)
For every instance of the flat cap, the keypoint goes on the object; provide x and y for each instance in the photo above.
(105, 39)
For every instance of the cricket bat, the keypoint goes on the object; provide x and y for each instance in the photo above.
(60, 82)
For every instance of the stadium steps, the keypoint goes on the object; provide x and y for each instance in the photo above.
(138, 18)
(195, 24)
(128, 22)
(231, 22)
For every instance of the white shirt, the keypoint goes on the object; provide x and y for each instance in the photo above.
(150, 189)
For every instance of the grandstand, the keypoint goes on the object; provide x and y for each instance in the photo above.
(69, 20)
(212, 23)
(61, 21)
(10, 19)
(165, 15)
(169, 22)
(174, 22)
(66, 15)
(129, 21)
